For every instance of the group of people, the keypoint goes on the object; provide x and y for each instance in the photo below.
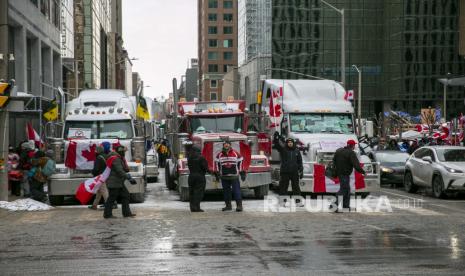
(408, 146)
(29, 170)
(162, 148)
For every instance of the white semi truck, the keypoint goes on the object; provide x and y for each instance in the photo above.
(318, 115)
(92, 118)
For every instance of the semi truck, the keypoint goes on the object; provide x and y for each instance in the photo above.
(317, 114)
(207, 125)
(90, 119)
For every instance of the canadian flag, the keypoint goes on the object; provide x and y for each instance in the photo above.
(422, 128)
(349, 96)
(80, 155)
(324, 184)
(88, 188)
(275, 109)
(32, 135)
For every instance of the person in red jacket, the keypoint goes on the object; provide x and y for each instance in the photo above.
(228, 164)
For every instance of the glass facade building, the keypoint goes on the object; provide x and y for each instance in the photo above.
(401, 46)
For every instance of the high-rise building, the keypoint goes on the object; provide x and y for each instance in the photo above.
(192, 78)
(254, 46)
(217, 29)
(401, 46)
(92, 25)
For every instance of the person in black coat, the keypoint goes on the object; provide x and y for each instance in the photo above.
(198, 167)
(291, 165)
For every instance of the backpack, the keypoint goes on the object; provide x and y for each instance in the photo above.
(49, 168)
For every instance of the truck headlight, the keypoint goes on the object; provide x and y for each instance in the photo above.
(387, 170)
(63, 170)
(257, 162)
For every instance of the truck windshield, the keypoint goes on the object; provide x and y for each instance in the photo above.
(121, 129)
(340, 123)
(213, 124)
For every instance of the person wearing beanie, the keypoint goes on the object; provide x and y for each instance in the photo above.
(106, 147)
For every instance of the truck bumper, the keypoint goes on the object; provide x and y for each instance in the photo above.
(68, 186)
(252, 180)
(152, 170)
(372, 184)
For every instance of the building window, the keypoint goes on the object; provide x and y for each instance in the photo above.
(212, 17)
(228, 43)
(226, 66)
(213, 83)
(213, 68)
(45, 8)
(212, 55)
(213, 96)
(227, 30)
(212, 4)
(228, 17)
(56, 13)
(228, 4)
(228, 55)
(212, 30)
(213, 43)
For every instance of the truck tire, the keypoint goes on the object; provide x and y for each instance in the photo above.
(137, 197)
(56, 199)
(261, 191)
(184, 194)
(169, 179)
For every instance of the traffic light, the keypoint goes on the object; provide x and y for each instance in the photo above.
(4, 94)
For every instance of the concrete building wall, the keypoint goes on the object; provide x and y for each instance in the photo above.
(250, 82)
(230, 83)
(192, 76)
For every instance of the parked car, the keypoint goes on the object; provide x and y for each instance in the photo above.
(440, 167)
(392, 165)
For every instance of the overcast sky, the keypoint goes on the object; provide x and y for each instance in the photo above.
(162, 34)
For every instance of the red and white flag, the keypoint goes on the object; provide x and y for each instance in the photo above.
(80, 155)
(88, 188)
(349, 96)
(275, 108)
(324, 184)
(32, 135)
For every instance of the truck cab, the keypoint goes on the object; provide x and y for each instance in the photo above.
(92, 118)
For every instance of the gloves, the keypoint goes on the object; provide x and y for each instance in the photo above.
(243, 175)
(276, 136)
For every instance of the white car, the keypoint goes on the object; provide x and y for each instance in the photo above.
(440, 167)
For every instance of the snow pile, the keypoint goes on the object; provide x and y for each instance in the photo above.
(24, 205)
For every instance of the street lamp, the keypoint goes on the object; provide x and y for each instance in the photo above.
(343, 44)
(359, 96)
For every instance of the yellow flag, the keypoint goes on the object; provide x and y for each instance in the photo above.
(142, 110)
(51, 114)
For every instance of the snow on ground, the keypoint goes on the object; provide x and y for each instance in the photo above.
(24, 205)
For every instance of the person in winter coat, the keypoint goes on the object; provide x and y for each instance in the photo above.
(26, 154)
(37, 178)
(100, 165)
(115, 183)
(345, 161)
(229, 166)
(291, 165)
(198, 167)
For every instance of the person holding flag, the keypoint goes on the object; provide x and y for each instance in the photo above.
(115, 183)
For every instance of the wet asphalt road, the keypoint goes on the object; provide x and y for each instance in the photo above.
(167, 239)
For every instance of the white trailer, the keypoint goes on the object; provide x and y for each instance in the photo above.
(317, 114)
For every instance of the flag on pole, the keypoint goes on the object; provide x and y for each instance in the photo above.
(142, 110)
(51, 112)
(32, 135)
(88, 188)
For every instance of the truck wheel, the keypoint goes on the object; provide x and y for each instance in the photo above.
(137, 198)
(169, 179)
(184, 194)
(261, 191)
(56, 200)
(409, 186)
